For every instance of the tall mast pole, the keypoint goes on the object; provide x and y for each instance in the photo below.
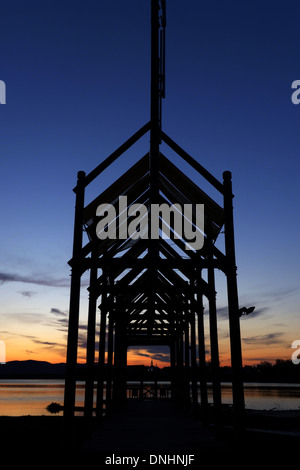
(157, 93)
(158, 24)
(155, 101)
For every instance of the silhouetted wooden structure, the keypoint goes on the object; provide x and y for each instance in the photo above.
(150, 291)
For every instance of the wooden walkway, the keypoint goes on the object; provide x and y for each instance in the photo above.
(152, 426)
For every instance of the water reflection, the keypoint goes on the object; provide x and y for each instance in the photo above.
(31, 397)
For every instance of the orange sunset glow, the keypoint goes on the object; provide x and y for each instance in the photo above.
(43, 343)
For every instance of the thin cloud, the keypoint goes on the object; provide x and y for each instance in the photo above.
(62, 323)
(270, 296)
(24, 317)
(45, 343)
(59, 320)
(270, 338)
(156, 353)
(57, 311)
(40, 280)
(52, 346)
(27, 293)
(10, 333)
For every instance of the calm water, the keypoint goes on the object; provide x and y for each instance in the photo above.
(30, 397)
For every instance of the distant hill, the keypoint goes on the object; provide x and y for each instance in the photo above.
(282, 371)
(45, 370)
(31, 370)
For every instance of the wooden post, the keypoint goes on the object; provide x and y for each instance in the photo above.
(109, 362)
(101, 363)
(71, 363)
(193, 363)
(176, 372)
(102, 344)
(90, 349)
(110, 345)
(186, 362)
(201, 351)
(120, 364)
(233, 307)
(173, 359)
(214, 345)
(180, 382)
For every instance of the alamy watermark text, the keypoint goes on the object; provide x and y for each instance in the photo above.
(2, 353)
(136, 221)
(296, 354)
(2, 92)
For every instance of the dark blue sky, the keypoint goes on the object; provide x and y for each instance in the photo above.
(78, 84)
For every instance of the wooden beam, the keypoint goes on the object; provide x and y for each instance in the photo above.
(203, 172)
(116, 154)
